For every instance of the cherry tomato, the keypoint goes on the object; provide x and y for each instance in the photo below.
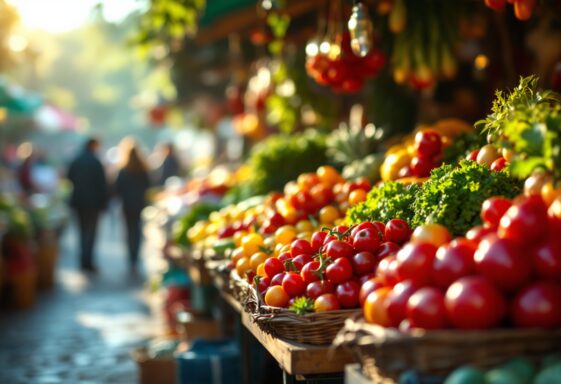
(277, 219)
(397, 231)
(293, 284)
(434, 234)
(301, 260)
(473, 155)
(425, 309)
(523, 9)
(474, 303)
(364, 225)
(284, 256)
(386, 249)
(497, 5)
(317, 241)
(538, 306)
(364, 263)
(396, 301)
(428, 143)
(421, 166)
(375, 309)
(487, 154)
(525, 221)
(347, 294)
(299, 247)
(499, 164)
(310, 272)
(338, 248)
(366, 239)
(546, 258)
(318, 288)
(339, 271)
(476, 234)
(264, 283)
(501, 261)
(452, 261)
(368, 286)
(276, 297)
(387, 271)
(273, 266)
(415, 262)
(277, 279)
(493, 209)
(381, 230)
(326, 302)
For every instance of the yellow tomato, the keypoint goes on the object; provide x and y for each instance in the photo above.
(269, 242)
(434, 234)
(304, 236)
(304, 226)
(393, 163)
(285, 234)
(256, 259)
(251, 243)
(549, 193)
(327, 215)
(357, 196)
(242, 266)
(261, 270)
(238, 236)
(197, 232)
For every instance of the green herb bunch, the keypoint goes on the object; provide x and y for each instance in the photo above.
(528, 121)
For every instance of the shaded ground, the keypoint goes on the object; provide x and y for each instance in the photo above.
(83, 329)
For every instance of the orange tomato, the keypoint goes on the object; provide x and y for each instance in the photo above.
(285, 234)
(276, 297)
(304, 226)
(328, 175)
(243, 266)
(357, 196)
(256, 259)
(261, 270)
(549, 192)
(327, 215)
(375, 308)
(251, 243)
(237, 254)
(434, 234)
(307, 180)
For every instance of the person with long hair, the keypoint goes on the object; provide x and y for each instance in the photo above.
(130, 186)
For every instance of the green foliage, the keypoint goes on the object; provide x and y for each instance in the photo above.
(14, 218)
(393, 200)
(281, 158)
(347, 144)
(453, 196)
(528, 121)
(302, 305)
(462, 145)
(199, 211)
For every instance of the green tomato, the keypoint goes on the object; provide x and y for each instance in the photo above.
(466, 375)
(502, 376)
(550, 375)
(521, 368)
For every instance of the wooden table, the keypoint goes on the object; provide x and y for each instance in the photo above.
(295, 359)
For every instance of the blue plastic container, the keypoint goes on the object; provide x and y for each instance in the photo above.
(209, 362)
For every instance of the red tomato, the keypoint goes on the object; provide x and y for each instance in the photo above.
(339, 271)
(546, 258)
(276, 297)
(501, 261)
(364, 278)
(347, 294)
(299, 247)
(497, 5)
(425, 309)
(474, 303)
(523, 9)
(326, 302)
(369, 286)
(525, 222)
(421, 166)
(264, 283)
(277, 279)
(318, 288)
(358, 227)
(277, 219)
(293, 284)
(396, 301)
(428, 143)
(317, 241)
(364, 263)
(499, 164)
(338, 248)
(397, 231)
(285, 256)
(273, 266)
(310, 272)
(415, 262)
(473, 155)
(493, 209)
(538, 306)
(387, 271)
(366, 239)
(375, 309)
(268, 228)
(381, 229)
(301, 260)
(452, 261)
(387, 249)
(476, 234)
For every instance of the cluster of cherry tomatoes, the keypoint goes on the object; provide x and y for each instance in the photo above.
(346, 73)
(489, 155)
(427, 154)
(504, 273)
(332, 268)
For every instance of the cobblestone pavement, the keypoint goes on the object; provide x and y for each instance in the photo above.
(83, 329)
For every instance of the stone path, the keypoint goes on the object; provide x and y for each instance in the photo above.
(83, 329)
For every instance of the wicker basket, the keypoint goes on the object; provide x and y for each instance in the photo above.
(239, 287)
(386, 353)
(314, 328)
(220, 275)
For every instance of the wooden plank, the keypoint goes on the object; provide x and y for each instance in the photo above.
(300, 359)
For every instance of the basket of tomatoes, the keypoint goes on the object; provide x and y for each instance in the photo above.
(480, 299)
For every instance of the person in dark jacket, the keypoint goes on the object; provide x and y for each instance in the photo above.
(170, 165)
(89, 198)
(131, 185)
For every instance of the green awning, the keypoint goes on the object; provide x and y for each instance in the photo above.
(216, 9)
(18, 100)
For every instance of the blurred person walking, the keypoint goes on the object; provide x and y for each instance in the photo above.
(130, 186)
(170, 164)
(89, 198)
